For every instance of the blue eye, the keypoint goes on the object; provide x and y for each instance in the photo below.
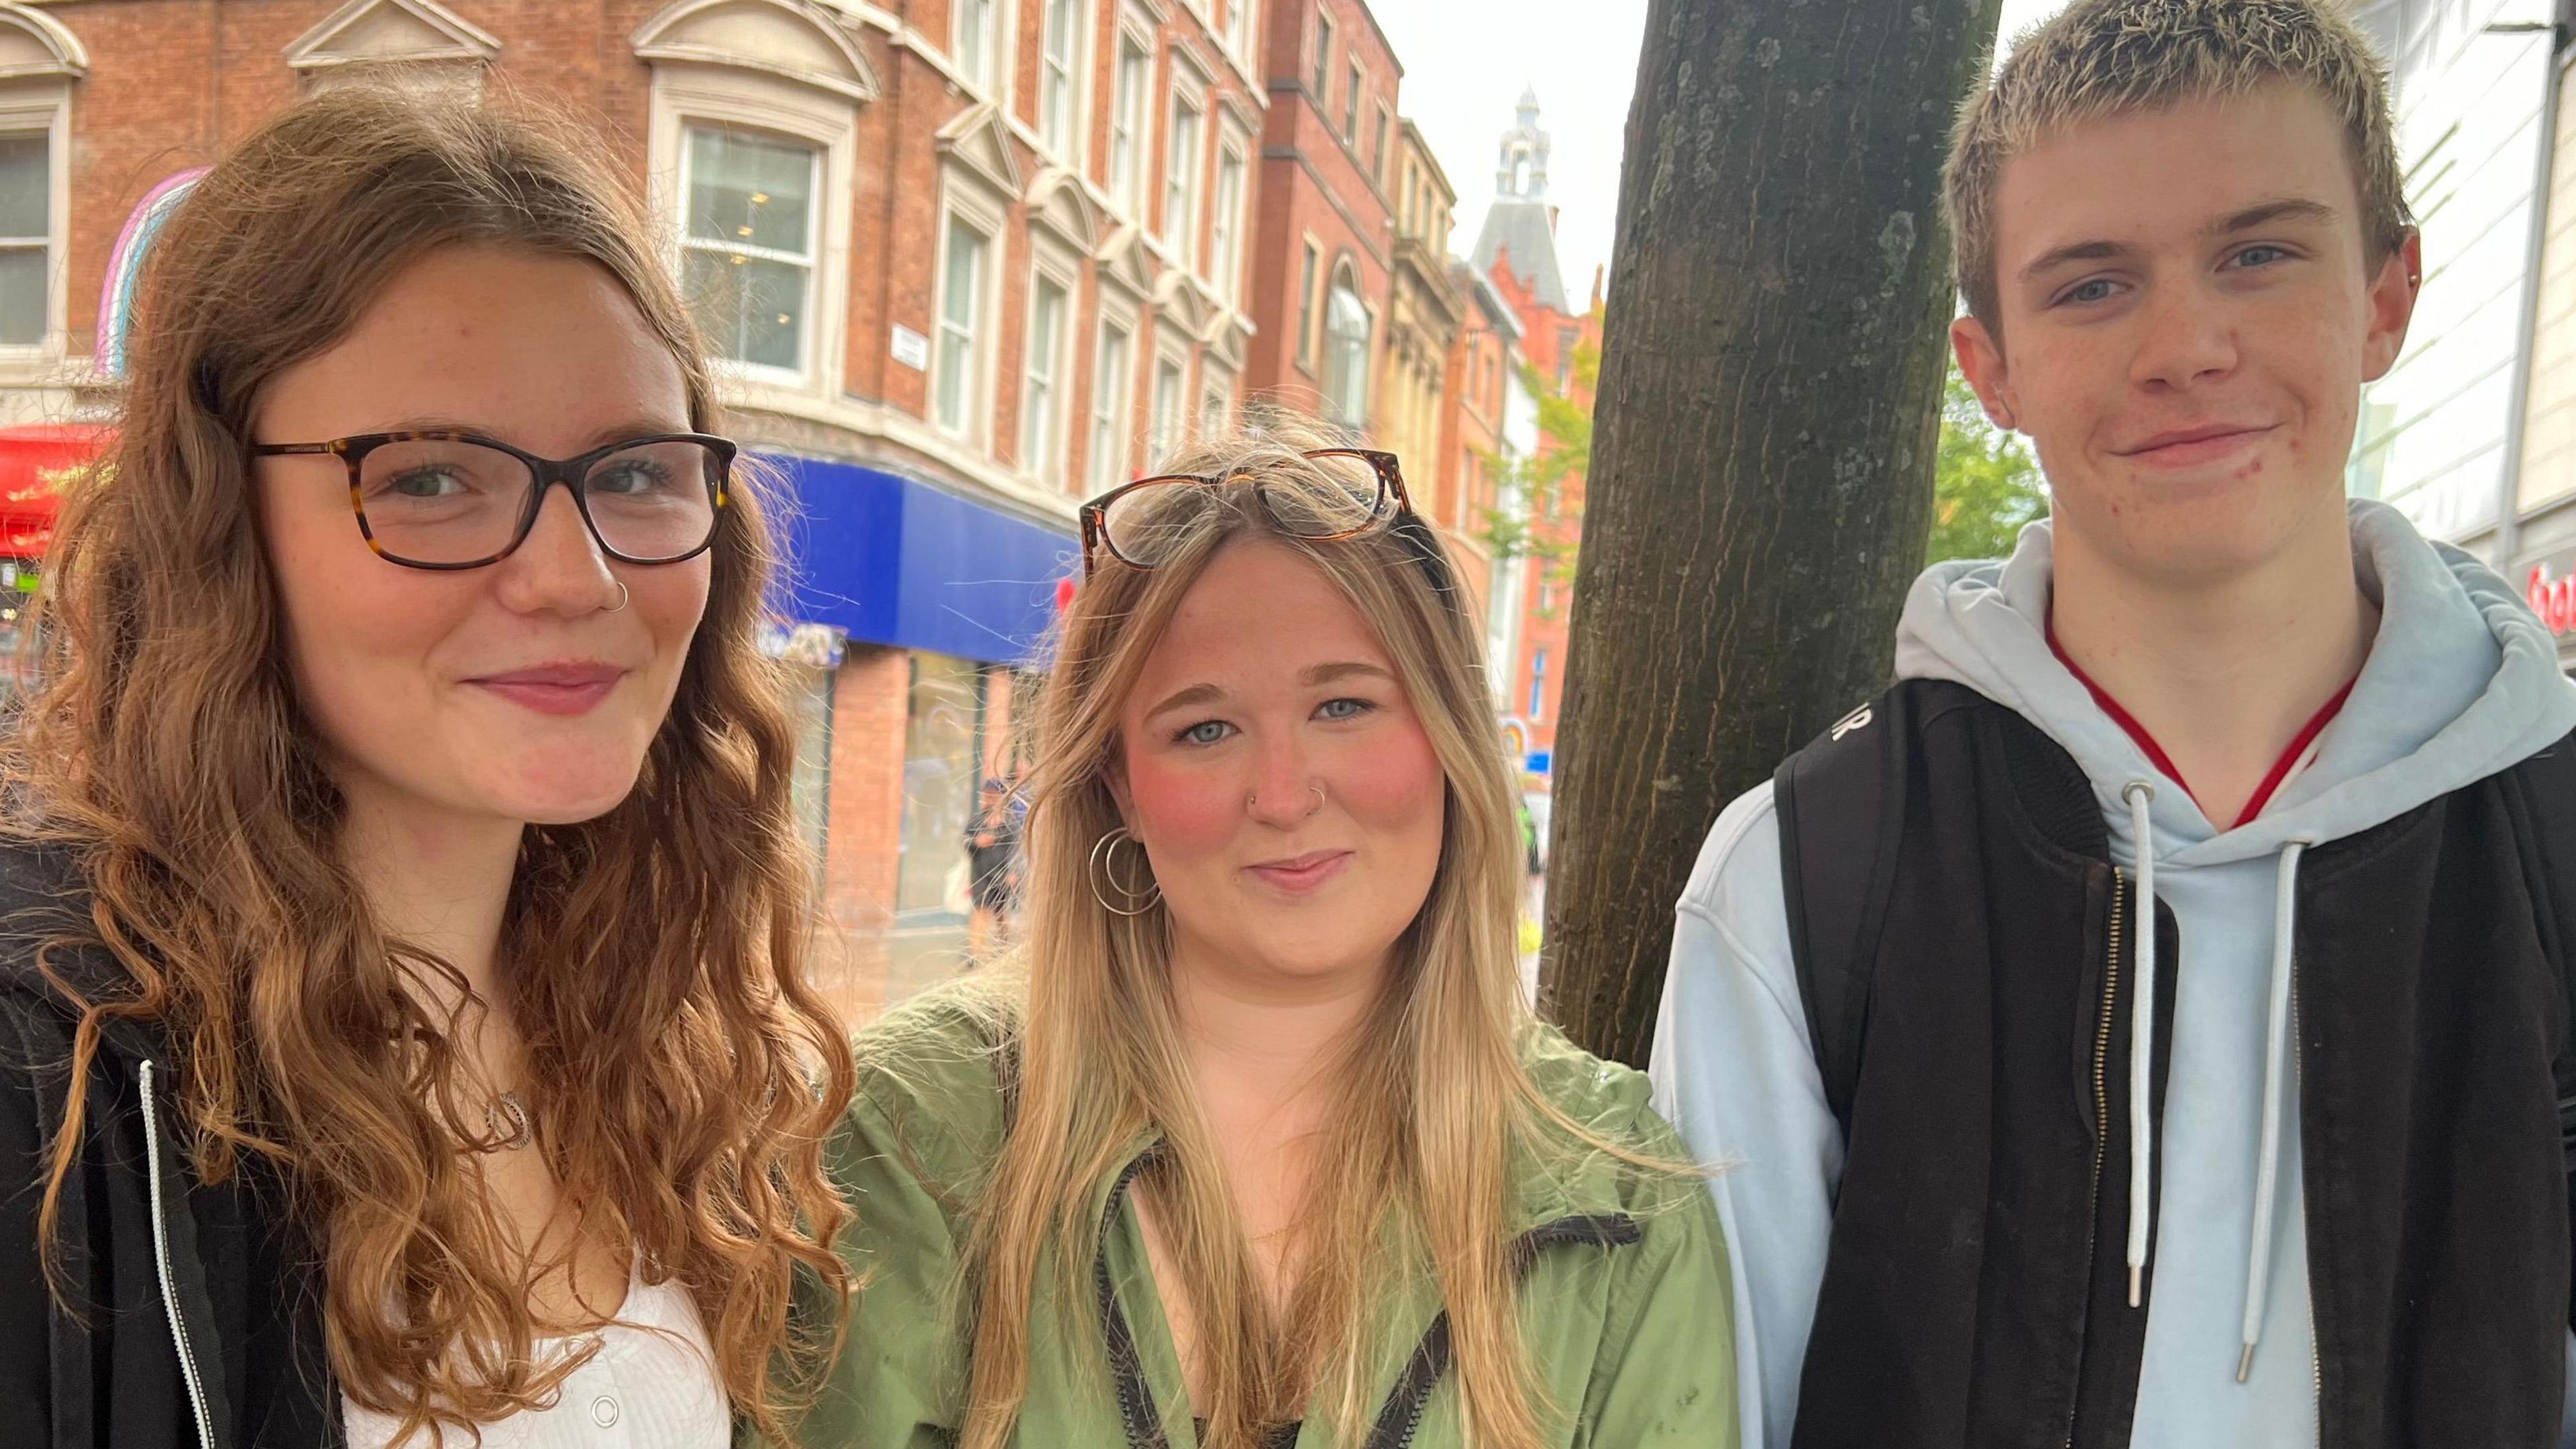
(1205, 732)
(1340, 709)
(2259, 256)
(2096, 290)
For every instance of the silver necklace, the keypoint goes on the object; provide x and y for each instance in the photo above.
(522, 1129)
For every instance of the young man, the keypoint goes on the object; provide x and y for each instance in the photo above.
(2148, 1023)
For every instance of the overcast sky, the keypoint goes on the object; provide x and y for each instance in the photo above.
(1461, 77)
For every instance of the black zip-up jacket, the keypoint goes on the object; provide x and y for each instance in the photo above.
(1975, 1289)
(192, 1315)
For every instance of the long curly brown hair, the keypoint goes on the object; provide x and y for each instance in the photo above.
(683, 1072)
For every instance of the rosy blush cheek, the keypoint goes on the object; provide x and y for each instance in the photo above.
(1391, 779)
(1186, 809)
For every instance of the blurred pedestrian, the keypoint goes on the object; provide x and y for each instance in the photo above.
(993, 863)
(406, 1032)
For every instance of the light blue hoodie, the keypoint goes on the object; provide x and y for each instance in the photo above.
(2461, 682)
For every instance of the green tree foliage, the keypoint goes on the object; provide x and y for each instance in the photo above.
(1534, 517)
(1986, 484)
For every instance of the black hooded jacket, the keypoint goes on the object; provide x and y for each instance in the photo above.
(190, 1316)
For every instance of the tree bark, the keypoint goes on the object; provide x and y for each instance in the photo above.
(1761, 482)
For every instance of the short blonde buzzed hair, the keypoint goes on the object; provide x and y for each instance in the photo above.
(2099, 58)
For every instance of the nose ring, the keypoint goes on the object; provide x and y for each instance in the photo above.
(623, 597)
(1252, 802)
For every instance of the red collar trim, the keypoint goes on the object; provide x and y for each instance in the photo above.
(2156, 756)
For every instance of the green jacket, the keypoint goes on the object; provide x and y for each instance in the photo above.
(1627, 1301)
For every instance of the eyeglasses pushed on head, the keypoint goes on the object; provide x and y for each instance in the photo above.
(1356, 491)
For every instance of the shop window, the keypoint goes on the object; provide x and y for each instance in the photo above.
(941, 720)
(810, 789)
(750, 243)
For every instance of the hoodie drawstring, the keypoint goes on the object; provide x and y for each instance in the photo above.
(2276, 1052)
(2142, 1039)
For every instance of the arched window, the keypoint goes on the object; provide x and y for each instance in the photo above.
(1346, 351)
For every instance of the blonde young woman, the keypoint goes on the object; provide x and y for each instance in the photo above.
(402, 1034)
(1257, 1142)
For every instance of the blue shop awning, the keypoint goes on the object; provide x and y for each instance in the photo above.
(896, 561)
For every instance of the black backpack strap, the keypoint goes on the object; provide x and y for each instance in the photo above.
(1841, 808)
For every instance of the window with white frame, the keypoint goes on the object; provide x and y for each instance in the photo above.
(1214, 406)
(750, 241)
(1164, 427)
(1323, 57)
(1346, 352)
(1127, 125)
(1181, 178)
(1307, 276)
(961, 326)
(1351, 105)
(1238, 27)
(1225, 231)
(1377, 146)
(1041, 449)
(1059, 38)
(1109, 407)
(977, 49)
(26, 237)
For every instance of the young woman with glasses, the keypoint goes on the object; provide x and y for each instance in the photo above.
(1255, 1141)
(403, 1031)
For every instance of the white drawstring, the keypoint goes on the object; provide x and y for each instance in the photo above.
(2267, 1167)
(2142, 1039)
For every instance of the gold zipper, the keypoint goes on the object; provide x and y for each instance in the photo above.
(2101, 1091)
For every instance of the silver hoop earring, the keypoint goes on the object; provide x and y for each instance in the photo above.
(623, 597)
(1104, 868)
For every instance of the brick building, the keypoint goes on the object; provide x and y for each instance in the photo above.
(966, 261)
(1325, 235)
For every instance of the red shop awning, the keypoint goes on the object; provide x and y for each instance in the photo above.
(33, 456)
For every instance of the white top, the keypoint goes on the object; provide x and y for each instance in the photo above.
(652, 1385)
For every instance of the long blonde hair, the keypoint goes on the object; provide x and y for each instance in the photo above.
(653, 958)
(1435, 1106)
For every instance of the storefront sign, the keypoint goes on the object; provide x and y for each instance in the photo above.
(819, 646)
(894, 560)
(2551, 590)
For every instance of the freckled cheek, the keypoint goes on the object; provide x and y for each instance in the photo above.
(1185, 809)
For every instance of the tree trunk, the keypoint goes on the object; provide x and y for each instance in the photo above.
(1761, 481)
